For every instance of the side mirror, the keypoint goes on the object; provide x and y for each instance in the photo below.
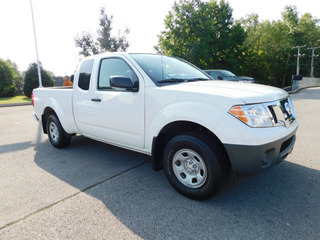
(297, 77)
(219, 77)
(122, 82)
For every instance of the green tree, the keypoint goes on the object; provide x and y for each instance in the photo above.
(267, 50)
(310, 30)
(203, 33)
(7, 75)
(269, 54)
(17, 78)
(91, 45)
(31, 80)
(251, 66)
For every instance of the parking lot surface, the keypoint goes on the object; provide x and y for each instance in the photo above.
(92, 190)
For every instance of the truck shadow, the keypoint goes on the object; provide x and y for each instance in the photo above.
(86, 162)
(281, 202)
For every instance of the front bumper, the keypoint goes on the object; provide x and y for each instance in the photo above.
(248, 160)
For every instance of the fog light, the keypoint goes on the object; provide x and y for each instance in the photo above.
(267, 158)
(265, 163)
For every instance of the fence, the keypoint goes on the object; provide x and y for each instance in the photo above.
(305, 82)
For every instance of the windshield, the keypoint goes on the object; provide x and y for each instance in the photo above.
(164, 69)
(227, 73)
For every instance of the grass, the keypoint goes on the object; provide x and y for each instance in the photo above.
(16, 99)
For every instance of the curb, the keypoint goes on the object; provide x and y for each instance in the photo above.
(299, 89)
(16, 104)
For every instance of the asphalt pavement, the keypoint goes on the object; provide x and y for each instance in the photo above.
(91, 190)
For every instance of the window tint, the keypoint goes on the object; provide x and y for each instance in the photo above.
(85, 74)
(115, 67)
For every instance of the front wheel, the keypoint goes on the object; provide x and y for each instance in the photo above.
(57, 136)
(193, 167)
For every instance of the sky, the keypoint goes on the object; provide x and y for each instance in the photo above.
(58, 22)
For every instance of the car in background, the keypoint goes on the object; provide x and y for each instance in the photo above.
(220, 74)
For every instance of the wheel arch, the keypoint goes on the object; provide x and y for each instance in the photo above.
(173, 129)
(46, 113)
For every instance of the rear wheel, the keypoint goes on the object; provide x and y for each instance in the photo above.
(57, 136)
(194, 167)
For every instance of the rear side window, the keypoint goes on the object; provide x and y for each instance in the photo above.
(85, 74)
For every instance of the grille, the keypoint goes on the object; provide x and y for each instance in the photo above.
(281, 112)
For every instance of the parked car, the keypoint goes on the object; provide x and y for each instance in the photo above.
(227, 75)
(194, 128)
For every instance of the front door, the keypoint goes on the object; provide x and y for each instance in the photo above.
(115, 115)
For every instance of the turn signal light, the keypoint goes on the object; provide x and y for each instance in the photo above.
(239, 113)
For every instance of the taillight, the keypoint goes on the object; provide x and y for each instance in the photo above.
(32, 98)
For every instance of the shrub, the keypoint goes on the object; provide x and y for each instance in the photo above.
(31, 80)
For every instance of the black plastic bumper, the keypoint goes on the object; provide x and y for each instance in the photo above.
(248, 160)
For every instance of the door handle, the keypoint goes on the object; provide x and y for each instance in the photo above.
(96, 100)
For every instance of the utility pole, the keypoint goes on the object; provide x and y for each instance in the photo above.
(35, 40)
(298, 58)
(312, 57)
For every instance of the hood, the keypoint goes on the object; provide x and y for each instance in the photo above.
(248, 93)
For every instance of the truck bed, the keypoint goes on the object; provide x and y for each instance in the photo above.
(60, 101)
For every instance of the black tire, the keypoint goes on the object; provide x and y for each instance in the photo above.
(194, 166)
(56, 134)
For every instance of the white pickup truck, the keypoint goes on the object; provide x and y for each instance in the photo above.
(196, 128)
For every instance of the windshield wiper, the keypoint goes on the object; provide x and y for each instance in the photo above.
(178, 80)
(196, 79)
(172, 80)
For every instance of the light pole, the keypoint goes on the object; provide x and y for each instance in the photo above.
(312, 57)
(35, 40)
(298, 57)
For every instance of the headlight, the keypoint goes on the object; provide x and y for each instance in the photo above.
(252, 115)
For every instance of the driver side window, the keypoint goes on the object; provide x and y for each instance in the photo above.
(114, 67)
